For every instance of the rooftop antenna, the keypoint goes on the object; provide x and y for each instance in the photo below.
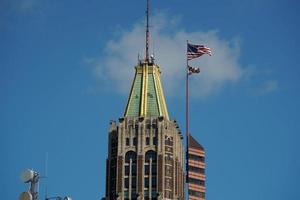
(46, 175)
(147, 33)
(139, 60)
(32, 177)
(153, 53)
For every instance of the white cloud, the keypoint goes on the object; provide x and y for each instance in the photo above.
(169, 43)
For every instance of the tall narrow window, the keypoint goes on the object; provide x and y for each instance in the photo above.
(154, 140)
(147, 141)
(130, 175)
(150, 175)
(134, 141)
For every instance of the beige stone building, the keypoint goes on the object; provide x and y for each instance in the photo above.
(145, 152)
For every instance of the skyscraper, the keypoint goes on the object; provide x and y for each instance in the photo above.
(146, 153)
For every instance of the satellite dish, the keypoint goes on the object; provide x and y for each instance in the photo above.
(25, 196)
(67, 198)
(27, 175)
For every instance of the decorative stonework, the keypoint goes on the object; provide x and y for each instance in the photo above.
(143, 178)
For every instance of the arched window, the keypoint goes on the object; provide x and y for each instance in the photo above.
(130, 175)
(150, 190)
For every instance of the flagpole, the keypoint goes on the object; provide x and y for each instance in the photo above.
(193, 51)
(187, 120)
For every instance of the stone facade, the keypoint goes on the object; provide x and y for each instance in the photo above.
(146, 159)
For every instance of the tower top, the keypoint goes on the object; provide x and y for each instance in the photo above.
(146, 98)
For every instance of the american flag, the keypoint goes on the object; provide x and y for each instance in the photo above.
(197, 50)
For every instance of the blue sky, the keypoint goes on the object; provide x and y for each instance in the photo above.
(66, 69)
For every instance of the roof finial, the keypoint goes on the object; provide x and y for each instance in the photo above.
(147, 34)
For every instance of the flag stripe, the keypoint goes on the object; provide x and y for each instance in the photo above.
(195, 51)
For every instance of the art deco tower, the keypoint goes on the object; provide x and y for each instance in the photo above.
(146, 153)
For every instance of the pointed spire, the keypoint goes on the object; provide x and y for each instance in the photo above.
(146, 96)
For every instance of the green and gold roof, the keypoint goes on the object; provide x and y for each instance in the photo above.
(146, 98)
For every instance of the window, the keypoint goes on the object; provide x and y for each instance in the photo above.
(133, 170)
(127, 170)
(150, 179)
(154, 140)
(146, 194)
(133, 183)
(196, 193)
(154, 169)
(153, 194)
(196, 169)
(134, 141)
(197, 181)
(126, 194)
(150, 155)
(127, 142)
(130, 174)
(133, 195)
(154, 182)
(147, 141)
(146, 182)
(147, 169)
(126, 182)
(197, 158)
(130, 156)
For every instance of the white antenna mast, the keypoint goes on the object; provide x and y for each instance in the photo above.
(46, 175)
